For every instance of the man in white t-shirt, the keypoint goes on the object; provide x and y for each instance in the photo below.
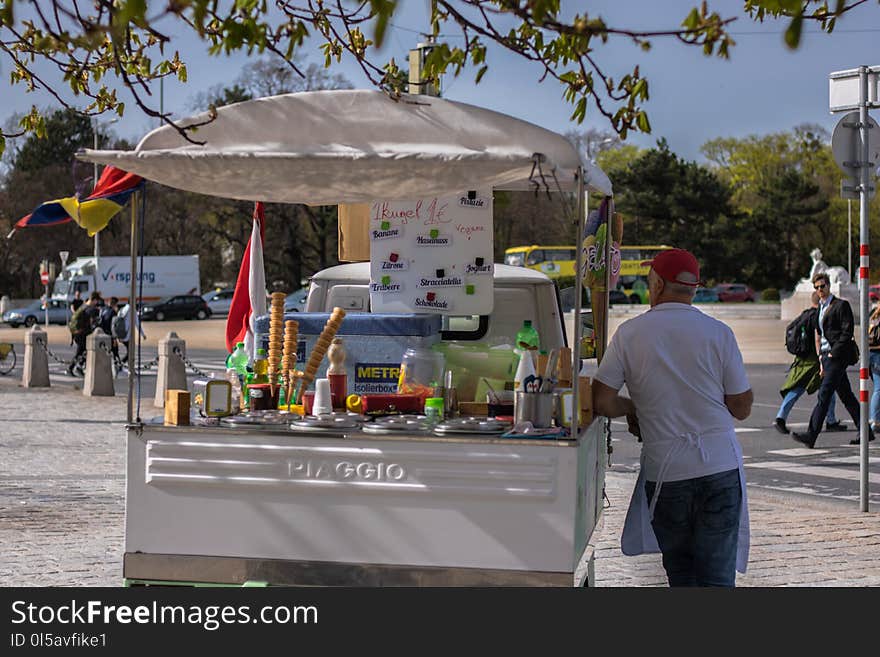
(686, 380)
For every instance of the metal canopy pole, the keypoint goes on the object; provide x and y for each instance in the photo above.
(864, 182)
(578, 292)
(132, 303)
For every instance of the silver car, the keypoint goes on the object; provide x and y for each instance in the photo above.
(36, 314)
(219, 301)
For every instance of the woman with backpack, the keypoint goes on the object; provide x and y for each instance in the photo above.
(803, 374)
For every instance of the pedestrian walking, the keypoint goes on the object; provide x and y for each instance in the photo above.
(874, 348)
(687, 382)
(121, 328)
(837, 350)
(81, 324)
(803, 374)
(76, 302)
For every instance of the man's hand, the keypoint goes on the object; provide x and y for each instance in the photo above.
(632, 425)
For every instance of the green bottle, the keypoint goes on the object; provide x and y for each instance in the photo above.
(527, 337)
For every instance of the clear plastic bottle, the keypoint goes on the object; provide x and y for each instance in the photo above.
(238, 360)
(261, 367)
(527, 337)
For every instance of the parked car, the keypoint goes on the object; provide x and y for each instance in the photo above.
(183, 306)
(874, 293)
(734, 292)
(619, 297)
(36, 314)
(705, 295)
(219, 301)
(296, 301)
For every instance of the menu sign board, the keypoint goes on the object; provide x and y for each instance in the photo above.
(432, 255)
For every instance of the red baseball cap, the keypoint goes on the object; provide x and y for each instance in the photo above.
(672, 263)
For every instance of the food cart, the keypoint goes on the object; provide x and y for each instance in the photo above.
(238, 504)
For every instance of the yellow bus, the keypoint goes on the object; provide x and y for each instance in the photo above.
(559, 261)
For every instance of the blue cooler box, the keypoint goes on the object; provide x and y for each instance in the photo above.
(374, 344)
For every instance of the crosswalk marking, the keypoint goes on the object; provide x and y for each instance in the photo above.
(855, 460)
(798, 451)
(814, 470)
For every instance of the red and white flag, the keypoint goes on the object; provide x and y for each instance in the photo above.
(249, 299)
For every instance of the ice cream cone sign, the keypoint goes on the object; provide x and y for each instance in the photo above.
(594, 271)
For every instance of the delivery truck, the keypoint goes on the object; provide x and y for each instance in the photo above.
(162, 276)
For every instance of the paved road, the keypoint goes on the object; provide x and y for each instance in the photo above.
(776, 462)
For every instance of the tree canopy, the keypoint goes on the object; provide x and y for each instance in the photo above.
(104, 47)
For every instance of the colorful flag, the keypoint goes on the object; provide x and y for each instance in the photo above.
(92, 213)
(249, 299)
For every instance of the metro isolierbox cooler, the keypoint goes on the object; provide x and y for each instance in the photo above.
(374, 344)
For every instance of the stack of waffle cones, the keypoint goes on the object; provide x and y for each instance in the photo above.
(288, 360)
(317, 355)
(276, 326)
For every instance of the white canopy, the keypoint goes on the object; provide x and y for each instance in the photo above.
(330, 147)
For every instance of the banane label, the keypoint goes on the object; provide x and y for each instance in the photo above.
(390, 233)
(376, 377)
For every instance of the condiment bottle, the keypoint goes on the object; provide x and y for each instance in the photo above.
(261, 367)
(336, 374)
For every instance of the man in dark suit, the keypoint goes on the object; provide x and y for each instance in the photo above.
(837, 350)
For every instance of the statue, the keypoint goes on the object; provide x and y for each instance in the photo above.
(840, 283)
(836, 275)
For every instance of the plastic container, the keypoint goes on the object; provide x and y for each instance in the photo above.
(421, 371)
(260, 397)
(434, 408)
(527, 337)
(322, 404)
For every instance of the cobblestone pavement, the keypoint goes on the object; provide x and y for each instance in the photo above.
(62, 496)
(795, 542)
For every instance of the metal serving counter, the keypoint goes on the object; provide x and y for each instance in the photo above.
(237, 505)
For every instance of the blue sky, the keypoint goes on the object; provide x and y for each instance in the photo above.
(763, 88)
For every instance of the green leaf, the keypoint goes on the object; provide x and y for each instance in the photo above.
(793, 33)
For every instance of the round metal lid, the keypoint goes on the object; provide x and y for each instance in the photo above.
(471, 425)
(332, 422)
(260, 418)
(397, 424)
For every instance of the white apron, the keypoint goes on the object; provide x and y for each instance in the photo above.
(638, 535)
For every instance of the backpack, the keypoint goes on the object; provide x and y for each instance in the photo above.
(799, 336)
(79, 321)
(118, 329)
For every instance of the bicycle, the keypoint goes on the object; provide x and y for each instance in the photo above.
(7, 357)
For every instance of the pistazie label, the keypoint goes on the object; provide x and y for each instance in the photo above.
(376, 377)
(385, 234)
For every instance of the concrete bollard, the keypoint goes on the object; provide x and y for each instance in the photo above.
(99, 373)
(172, 371)
(36, 360)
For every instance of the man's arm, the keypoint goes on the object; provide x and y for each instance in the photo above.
(607, 403)
(740, 405)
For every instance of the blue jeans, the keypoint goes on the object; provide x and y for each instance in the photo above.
(795, 393)
(696, 522)
(875, 396)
